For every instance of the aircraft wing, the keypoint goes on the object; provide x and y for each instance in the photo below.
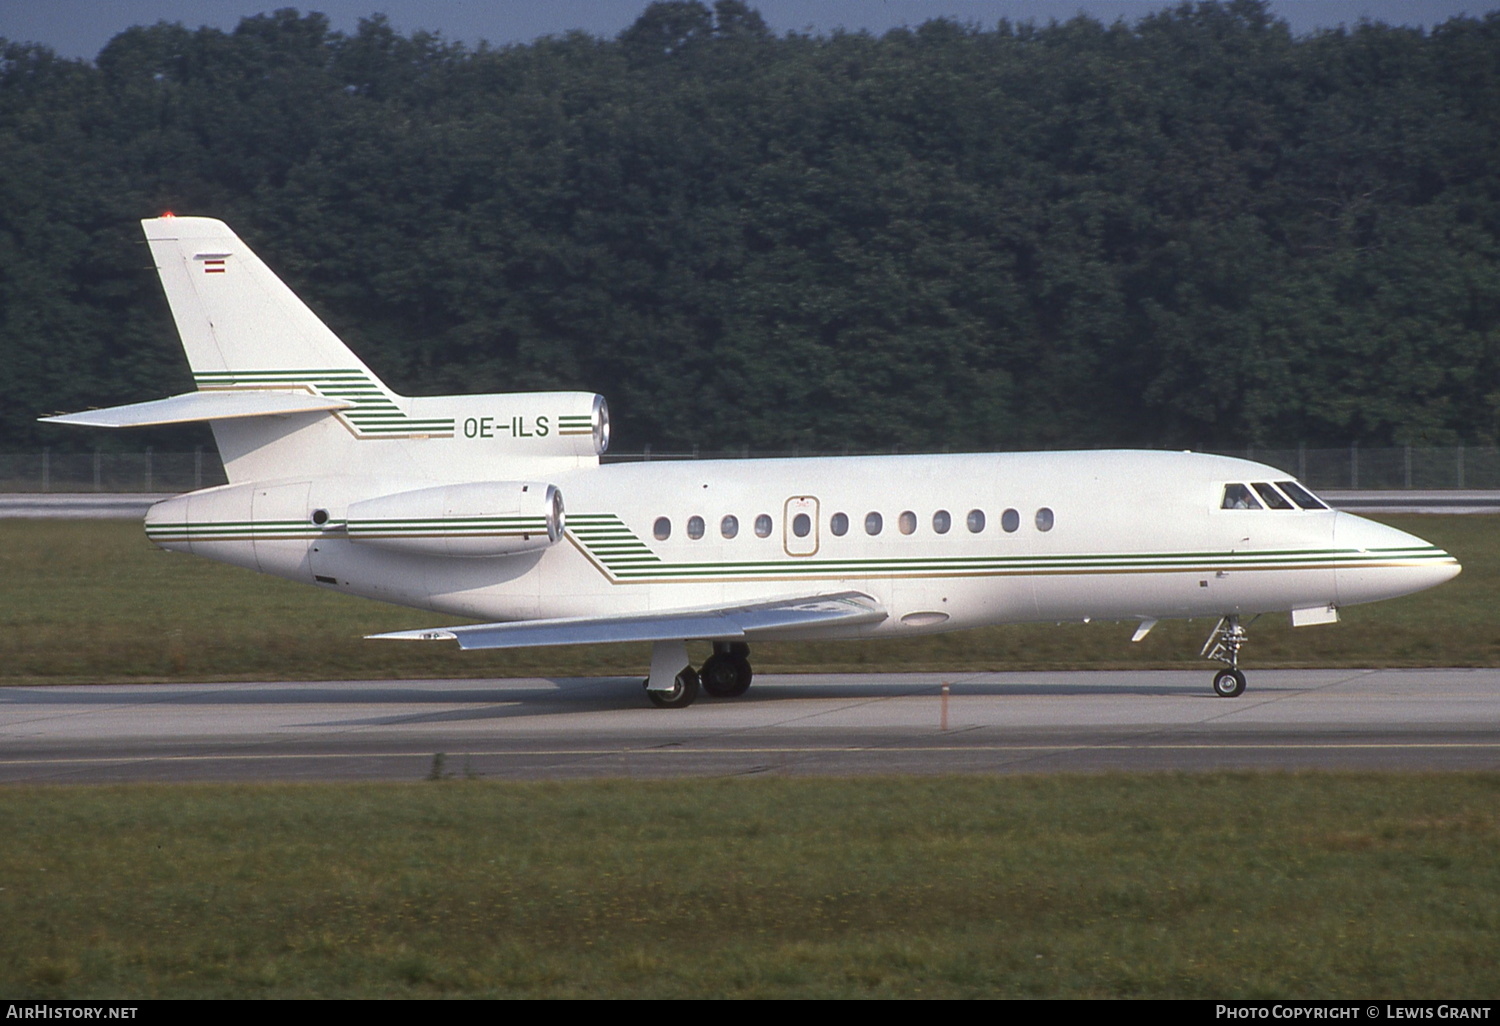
(845, 608)
(195, 406)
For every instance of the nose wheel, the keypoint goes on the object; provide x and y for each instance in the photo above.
(1224, 645)
(1229, 683)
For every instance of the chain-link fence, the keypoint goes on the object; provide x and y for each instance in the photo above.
(110, 471)
(1353, 468)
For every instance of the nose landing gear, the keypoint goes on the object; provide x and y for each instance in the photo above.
(1224, 645)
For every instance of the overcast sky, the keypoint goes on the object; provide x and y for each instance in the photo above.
(79, 28)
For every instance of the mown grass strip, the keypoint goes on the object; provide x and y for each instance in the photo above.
(1215, 885)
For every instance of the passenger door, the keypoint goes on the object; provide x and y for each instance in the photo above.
(799, 526)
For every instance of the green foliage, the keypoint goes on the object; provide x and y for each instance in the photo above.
(1197, 230)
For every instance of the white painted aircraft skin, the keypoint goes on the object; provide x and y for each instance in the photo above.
(497, 507)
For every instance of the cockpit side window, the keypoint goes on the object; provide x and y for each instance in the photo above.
(1273, 498)
(1238, 496)
(1301, 496)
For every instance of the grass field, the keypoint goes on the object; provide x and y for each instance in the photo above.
(1214, 885)
(91, 601)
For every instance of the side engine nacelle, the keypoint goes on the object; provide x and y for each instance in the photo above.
(480, 518)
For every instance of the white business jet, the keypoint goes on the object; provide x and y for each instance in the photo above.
(455, 504)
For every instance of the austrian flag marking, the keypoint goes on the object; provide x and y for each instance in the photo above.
(215, 266)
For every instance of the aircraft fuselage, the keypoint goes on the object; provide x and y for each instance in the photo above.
(942, 542)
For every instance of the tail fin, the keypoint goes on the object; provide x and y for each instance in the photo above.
(244, 331)
(240, 325)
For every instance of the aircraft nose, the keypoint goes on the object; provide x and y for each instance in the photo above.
(1376, 561)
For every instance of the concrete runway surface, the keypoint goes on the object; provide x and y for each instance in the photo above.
(824, 724)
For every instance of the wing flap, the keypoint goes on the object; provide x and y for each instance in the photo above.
(844, 609)
(196, 406)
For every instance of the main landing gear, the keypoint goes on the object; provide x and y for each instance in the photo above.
(726, 674)
(1224, 645)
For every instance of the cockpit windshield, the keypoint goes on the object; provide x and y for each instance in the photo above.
(1301, 496)
(1238, 496)
(1273, 498)
(1263, 495)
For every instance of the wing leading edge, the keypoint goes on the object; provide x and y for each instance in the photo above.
(198, 406)
(848, 608)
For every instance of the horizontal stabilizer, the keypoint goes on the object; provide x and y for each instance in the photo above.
(845, 609)
(196, 406)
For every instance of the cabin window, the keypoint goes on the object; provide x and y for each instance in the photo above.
(907, 522)
(975, 520)
(801, 525)
(1301, 496)
(695, 528)
(1237, 496)
(662, 529)
(1273, 498)
(729, 526)
(942, 520)
(873, 523)
(763, 526)
(839, 524)
(1010, 521)
(1044, 519)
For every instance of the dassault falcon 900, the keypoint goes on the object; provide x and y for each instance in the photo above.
(455, 504)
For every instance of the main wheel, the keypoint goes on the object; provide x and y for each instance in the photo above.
(684, 691)
(726, 676)
(1229, 683)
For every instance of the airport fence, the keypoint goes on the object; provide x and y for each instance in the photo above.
(147, 471)
(1354, 468)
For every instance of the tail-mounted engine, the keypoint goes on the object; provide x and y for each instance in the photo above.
(525, 423)
(270, 526)
(482, 518)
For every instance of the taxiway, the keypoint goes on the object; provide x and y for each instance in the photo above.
(832, 724)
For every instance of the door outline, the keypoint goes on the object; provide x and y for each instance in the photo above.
(790, 543)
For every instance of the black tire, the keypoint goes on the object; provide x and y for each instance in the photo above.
(726, 676)
(684, 691)
(1229, 683)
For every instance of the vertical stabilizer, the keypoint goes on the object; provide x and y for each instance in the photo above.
(240, 325)
(244, 330)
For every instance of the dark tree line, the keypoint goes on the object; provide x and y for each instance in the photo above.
(1193, 231)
